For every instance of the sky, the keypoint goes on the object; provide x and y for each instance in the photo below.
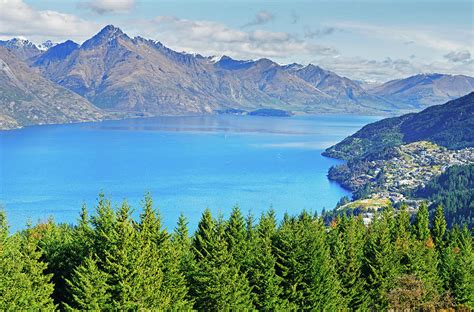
(374, 41)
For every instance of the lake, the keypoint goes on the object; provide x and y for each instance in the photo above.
(186, 163)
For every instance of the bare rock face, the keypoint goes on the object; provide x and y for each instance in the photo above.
(27, 98)
(140, 76)
(425, 90)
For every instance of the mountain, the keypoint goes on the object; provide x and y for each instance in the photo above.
(45, 46)
(341, 88)
(22, 48)
(55, 53)
(140, 76)
(450, 125)
(423, 90)
(27, 98)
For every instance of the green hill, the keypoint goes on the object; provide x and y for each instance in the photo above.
(450, 125)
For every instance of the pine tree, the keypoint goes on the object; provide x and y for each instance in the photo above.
(422, 264)
(463, 275)
(352, 235)
(103, 236)
(422, 222)
(380, 262)
(217, 283)
(322, 288)
(150, 224)
(288, 265)
(40, 289)
(403, 223)
(204, 235)
(62, 253)
(448, 257)
(88, 287)
(262, 275)
(236, 236)
(15, 286)
(182, 243)
(161, 259)
(439, 227)
(151, 241)
(305, 264)
(122, 263)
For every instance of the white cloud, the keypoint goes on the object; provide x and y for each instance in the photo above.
(213, 38)
(19, 19)
(260, 18)
(430, 38)
(387, 69)
(108, 6)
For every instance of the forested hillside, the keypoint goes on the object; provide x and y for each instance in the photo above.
(450, 125)
(111, 262)
(453, 189)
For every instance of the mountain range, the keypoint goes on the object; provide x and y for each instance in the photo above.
(425, 90)
(142, 77)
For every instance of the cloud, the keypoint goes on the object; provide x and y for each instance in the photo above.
(462, 56)
(108, 6)
(214, 38)
(319, 32)
(430, 38)
(388, 68)
(260, 18)
(19, 19)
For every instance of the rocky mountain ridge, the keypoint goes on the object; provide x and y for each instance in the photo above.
(120, 73)
(142, 77)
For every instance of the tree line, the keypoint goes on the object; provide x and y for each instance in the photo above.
(110, 261)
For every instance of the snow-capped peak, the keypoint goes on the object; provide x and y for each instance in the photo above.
(215, 58)
(45, 46)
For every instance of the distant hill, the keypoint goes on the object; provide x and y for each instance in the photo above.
(450, 125)
(27, 98)
(421, 91)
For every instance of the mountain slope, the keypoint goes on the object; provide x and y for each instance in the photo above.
(425, 90)
(22, 48)
(135, 75)
(26, 98)
(117, 72)
(450, 125)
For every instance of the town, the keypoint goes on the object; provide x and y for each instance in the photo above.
(411, 166)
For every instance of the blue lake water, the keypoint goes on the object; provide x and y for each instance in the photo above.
(186, 163)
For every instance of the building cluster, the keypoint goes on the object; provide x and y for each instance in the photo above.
(414, 165)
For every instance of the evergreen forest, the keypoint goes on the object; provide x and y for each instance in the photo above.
(111, 261)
